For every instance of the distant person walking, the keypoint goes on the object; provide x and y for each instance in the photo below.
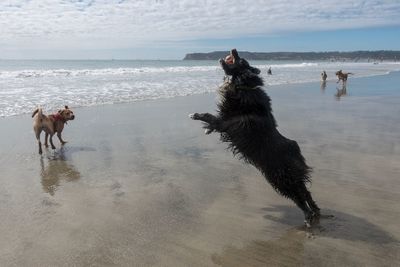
(324, 76)
(269, 71)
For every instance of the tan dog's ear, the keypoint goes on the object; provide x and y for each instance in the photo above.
(66, 107)
(60, 111)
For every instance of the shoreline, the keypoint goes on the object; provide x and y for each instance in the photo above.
(266, 86)
(140, 183)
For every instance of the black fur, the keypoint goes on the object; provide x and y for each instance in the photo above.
(246, 122)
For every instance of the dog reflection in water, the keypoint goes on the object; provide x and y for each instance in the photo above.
(56, 169)
(341, 92)
(323, 86)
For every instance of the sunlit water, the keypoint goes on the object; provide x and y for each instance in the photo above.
(25, 85)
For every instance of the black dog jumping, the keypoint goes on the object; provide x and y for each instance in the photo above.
(246, 122)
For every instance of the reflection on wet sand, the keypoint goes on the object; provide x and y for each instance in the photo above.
(323, 86)
(342, 226)
(151, 190)
(55, 169)
(341, 92)
(289, 248)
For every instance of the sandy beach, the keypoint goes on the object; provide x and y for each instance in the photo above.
(139, 184)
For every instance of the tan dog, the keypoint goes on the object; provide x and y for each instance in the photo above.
(50, 124)
(342, 76)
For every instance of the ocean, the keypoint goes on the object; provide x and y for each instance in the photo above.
(51, 84)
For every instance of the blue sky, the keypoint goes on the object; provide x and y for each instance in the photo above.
(165, 29)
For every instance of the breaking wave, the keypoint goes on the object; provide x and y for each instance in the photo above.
(22, 90)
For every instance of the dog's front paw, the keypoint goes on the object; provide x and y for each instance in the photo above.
(208, 131)
(194, 116)
(208, 128)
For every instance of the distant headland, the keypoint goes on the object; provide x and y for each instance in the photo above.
(329, 56)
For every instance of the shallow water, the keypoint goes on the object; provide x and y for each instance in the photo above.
(26, 84)
(140, 184)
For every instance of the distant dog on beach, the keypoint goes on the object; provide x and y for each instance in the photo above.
(342, 76)
(246, 122)
(50, 124)
(324, 76)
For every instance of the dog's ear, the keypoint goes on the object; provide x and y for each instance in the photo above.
(244, 65)
(235, 54)
(255, 70)
(60, 111)
(66, 107)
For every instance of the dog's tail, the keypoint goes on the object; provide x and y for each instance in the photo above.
(350, 73)
(39, 111)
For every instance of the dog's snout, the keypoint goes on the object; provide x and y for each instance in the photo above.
(72, 117)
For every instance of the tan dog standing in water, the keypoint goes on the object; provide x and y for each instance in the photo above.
(50, 124)
(342, 76)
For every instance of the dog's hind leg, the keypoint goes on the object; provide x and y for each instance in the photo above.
(314, 207)
(46, 137)
(308, 216)
(302, 204)
(37, 133)
(310, 201)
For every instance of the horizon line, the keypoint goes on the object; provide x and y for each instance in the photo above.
(182, 59)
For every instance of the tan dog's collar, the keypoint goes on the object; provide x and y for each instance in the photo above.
(58, 117)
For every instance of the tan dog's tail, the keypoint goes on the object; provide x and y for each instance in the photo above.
(39, 111)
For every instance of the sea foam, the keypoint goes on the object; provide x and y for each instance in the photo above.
(75, 84)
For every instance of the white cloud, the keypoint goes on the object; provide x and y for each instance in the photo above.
(108, 24)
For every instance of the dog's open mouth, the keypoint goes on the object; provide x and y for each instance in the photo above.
(229, 59)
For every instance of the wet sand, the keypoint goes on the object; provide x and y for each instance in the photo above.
(139, 184)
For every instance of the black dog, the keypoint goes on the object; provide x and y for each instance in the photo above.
(246, 122)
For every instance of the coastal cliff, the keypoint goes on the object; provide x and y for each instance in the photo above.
(331, 56)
